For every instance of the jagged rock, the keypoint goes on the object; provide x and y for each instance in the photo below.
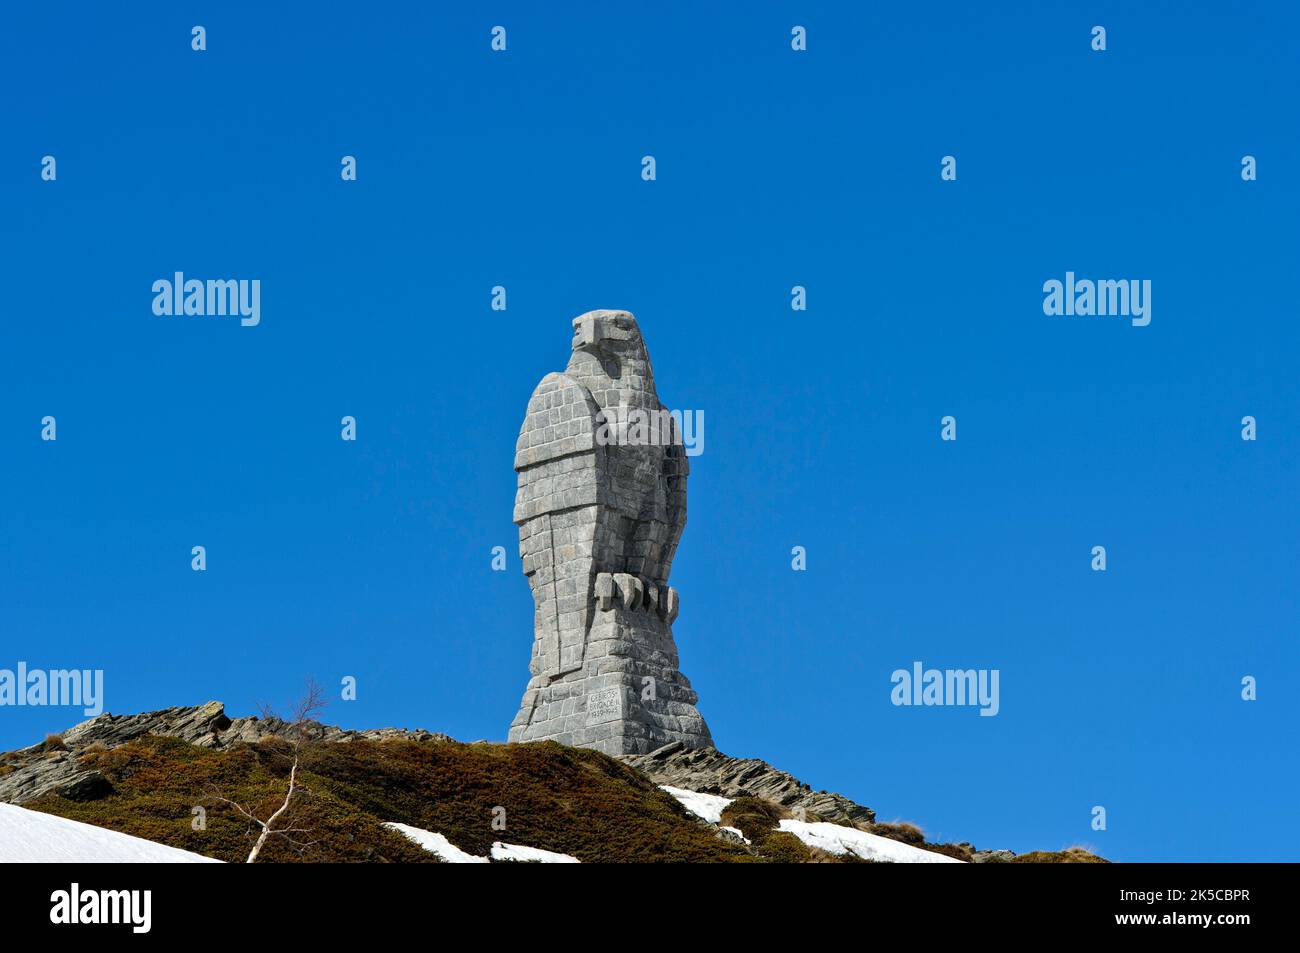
(35, 774)
(37, 771)
(384, 734)
(200, 725)
(709, 771)
(731, 836)
(992, 856)
(90, 786)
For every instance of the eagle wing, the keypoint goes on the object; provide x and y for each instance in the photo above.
(562, 470)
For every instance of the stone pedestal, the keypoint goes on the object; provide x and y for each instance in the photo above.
(628, 696)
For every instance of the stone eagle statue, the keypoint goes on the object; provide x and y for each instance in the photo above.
(601, 506)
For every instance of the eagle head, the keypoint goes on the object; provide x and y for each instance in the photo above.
(612, 332)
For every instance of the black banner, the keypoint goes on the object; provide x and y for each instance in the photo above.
(1216, 902)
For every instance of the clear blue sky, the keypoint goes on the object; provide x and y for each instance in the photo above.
(372, 558)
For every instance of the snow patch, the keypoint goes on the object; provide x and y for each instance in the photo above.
(449, 853)
(733, 830)
(534, 855)
(835, 839)
(33, 837)
(706, 806)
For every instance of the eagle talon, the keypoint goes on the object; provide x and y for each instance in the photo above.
(649, 601)
(670, 605)
(630, 590)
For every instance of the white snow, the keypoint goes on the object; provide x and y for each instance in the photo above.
(449, 853)
(831, 838)
(514, 852)
(707, 806)
(835, 839)
(32, 837)
(736, 831)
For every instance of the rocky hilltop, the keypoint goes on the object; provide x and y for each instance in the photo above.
(51, 767)
(149, 774)
(55, 766)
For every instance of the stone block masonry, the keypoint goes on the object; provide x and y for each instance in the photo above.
(599, 523)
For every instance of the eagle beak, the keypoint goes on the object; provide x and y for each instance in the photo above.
(586, 334)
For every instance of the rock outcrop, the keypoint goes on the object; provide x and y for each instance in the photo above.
(54, 767)
(709, 771)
